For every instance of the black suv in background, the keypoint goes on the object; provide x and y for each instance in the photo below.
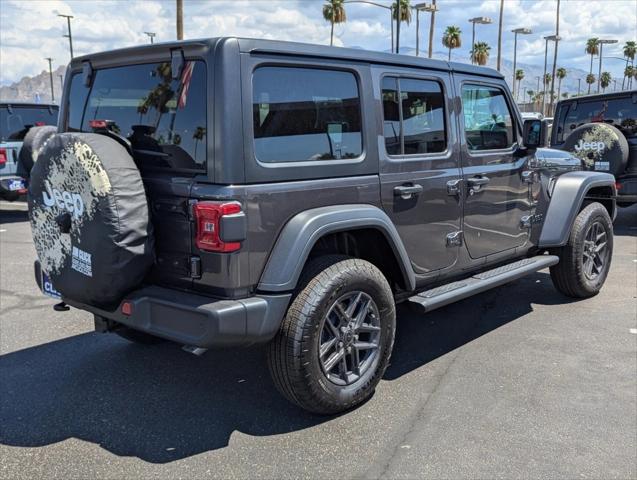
(602, 131)
(227, 192)
(16, 118)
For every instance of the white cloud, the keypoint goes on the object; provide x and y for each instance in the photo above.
(30, 31)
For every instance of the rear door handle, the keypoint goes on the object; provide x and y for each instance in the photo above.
(406, 191)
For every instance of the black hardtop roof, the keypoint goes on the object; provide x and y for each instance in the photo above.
(598, 96)
(22, 103)
(251, 45)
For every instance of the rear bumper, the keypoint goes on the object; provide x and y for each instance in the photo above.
(192, 319)
(5, 186)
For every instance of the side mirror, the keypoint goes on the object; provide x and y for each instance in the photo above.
(534, 133)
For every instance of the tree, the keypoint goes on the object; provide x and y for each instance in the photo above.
(480, 53)
(604, 80)
(630, 50)
(592, 48)
(180, 19)
(561, 74)
(547, 79)
(452, 38)
(334, 12)
(431, 29)
(500, 35)
(405, 11)
(590, 79)
(519, 76)
(565, 95)
(629, 71)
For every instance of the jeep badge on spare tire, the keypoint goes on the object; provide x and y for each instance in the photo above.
(89, 218)
(599, 146)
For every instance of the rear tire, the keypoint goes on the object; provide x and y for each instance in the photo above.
(336, 339)
(585, 259)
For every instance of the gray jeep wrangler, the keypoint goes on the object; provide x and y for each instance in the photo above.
(229, 192)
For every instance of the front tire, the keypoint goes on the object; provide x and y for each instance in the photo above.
(585, 259)
(336, 339)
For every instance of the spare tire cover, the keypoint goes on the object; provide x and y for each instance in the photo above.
(599, 146)
(33, 142)
(89, 218)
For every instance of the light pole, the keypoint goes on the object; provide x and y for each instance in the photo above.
(398, 26)
(70, 36)
(601, 43)
(180, 19)
(422, 7)
(61, 81)
(51, 77)
(553, 38)
(151, 35)
(522, 31)
(431, 29)
(482, 21)
(579, 83)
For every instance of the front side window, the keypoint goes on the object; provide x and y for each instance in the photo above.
(415, 109)
(488, 123)
(163, 118)
(305, 114)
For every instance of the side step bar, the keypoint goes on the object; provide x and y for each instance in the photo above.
(480, 282)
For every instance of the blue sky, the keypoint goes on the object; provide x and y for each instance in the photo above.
(30, 30)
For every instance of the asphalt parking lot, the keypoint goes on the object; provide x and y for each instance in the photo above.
(517, 382)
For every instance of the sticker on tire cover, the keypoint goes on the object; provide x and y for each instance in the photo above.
(81, 262)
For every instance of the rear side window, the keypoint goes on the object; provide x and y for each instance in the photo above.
(163, 118)
(414, 110)
(15, 121)
(619, 112)
(488, 123)
(305, 114)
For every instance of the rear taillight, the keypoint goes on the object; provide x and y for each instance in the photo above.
(618, 186)
(98, 124)
(3, 156)
(208, 217)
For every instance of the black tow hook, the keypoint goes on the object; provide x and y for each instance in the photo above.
(61, 307)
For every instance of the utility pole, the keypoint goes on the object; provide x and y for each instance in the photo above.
(51, 77)
(431, 27)
(397, 26)
(557, 41)
(180, 19)
(70, 36)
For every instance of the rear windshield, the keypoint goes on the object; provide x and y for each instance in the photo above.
(15, 121)
(619, 112)
(164, 119)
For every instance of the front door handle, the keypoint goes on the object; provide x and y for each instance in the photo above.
(407, 190)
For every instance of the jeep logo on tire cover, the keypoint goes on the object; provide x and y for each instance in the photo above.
(593, 146)
(71, 202)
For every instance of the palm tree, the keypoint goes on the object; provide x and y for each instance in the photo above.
(605, 80)
(560, 74)
(592, 48)
(629, 71)
(480, 53)
(630, 50)
(519, 76)
(557, 35)
(451, 38)
(565, 95)
(405, 11)
(334, 12)
(590, 79)
(500, 35)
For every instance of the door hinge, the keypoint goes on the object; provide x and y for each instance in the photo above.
(453, 187)
(527, 221)
(529, 176)
(454, 239)
(195, 267)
